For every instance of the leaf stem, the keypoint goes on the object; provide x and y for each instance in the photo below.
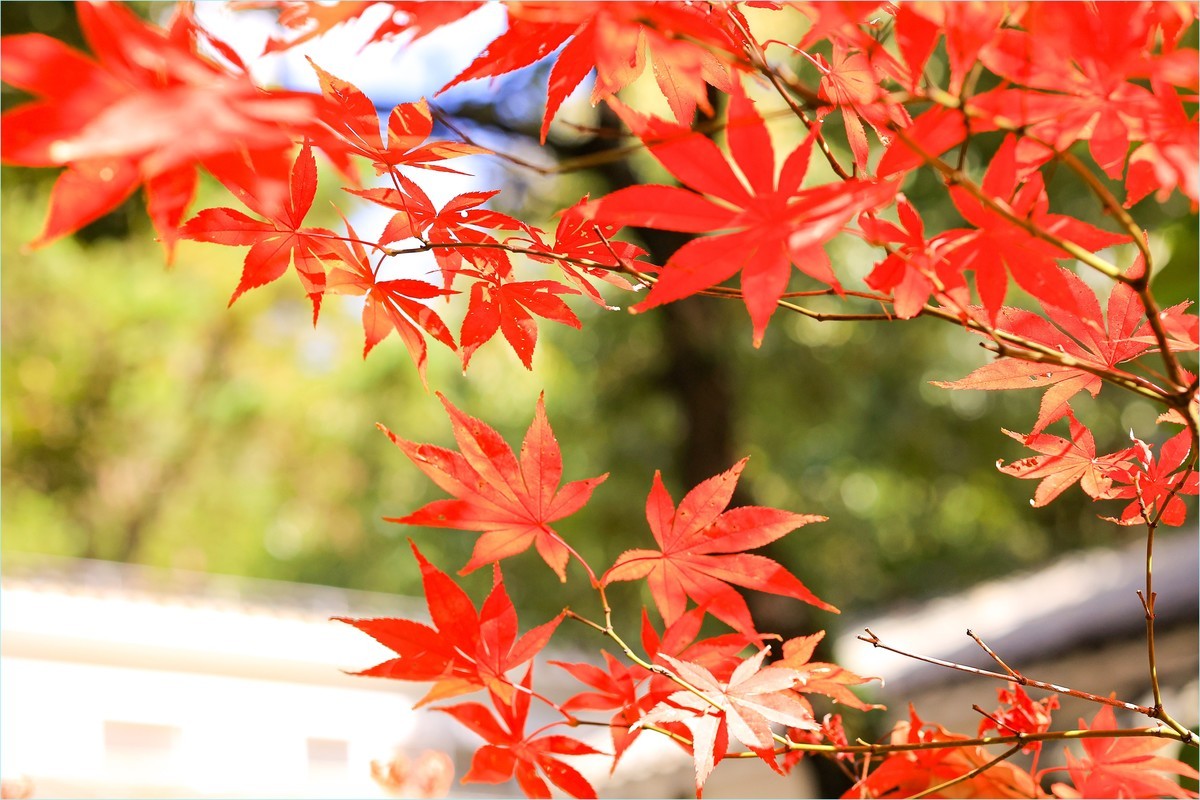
(758, 59)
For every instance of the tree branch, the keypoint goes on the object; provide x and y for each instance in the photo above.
(1012, 675)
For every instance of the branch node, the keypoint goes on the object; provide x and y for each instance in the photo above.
(1017, 676)
(1147, 604)
(998, 722)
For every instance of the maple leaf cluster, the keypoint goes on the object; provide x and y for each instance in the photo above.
(760, 223)
(510, 502)
(1094, 347)
(192, 111)
(1110, 767)
(1104, 91)
(704, 693)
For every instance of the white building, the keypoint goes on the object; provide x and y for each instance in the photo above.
(121, 681)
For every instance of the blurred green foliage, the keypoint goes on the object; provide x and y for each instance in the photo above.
(142, 420)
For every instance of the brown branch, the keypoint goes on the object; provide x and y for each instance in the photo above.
(1021, 739)
(871, 639)
(1106, 198)
(1154, 318)
(1030, 350)
(1148, 598)
(1039, 353)
(993, 655)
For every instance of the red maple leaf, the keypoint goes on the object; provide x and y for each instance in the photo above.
(465, 649)
(765, 225)
(276, 241)
(1168, 158)
(690, 47)
(390, 305)
(934, 132)
(1079, 66)
(840, 21)
(851, 84)
(917, 268)
(820, 677)
(615, 689)
(968, 28)
(1080, 333)
(720, 655)
(510, 751)
(1018, 714)
(354, 119)
(511, 502)
(1124, 767)
(457, 226)
(500, 304)
(576, 237)
(189, 109)
(744, 707)
(997, 246)
(702, 548)
(1156, 484)
(1064, 462)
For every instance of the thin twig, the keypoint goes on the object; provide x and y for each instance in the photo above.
(1029, 350)
(966, 776)
(758, 58)
(871, 639)
(999, 723)
(1020, 740)
(1016, 675)
(626, 268)
(1147, 598)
